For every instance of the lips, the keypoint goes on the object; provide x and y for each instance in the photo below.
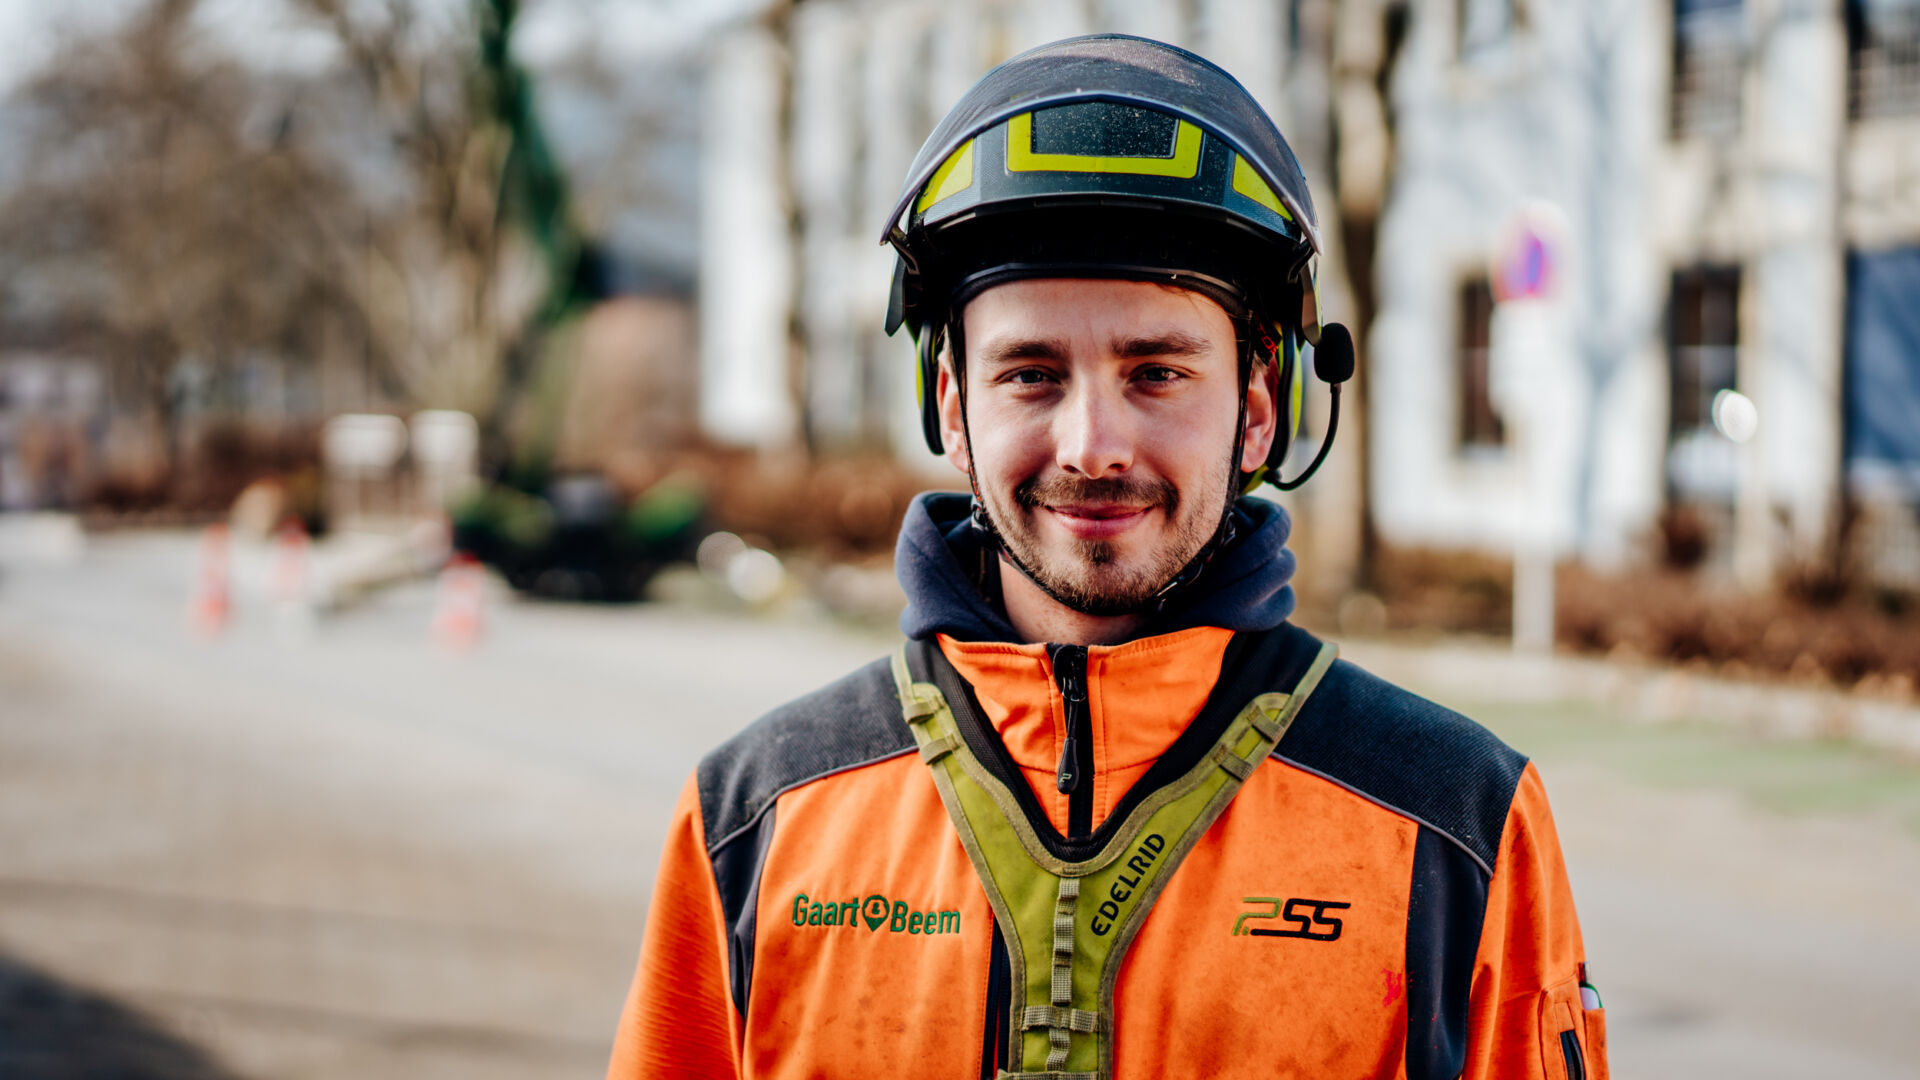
(1096, 509)
(1093, 521)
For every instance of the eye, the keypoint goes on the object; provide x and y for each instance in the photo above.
(1157, 373)
(1029, 377)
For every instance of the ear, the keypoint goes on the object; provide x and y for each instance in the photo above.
(953, 429)
(1263, 415)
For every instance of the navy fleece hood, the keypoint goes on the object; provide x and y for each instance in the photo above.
(939, 558)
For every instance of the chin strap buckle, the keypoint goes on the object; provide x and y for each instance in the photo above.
(977, 517)
(1221, 538)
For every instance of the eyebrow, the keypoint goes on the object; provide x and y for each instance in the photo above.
(1164, 343)
(1024, 349)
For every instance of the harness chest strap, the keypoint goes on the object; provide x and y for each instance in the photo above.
(1068, 925)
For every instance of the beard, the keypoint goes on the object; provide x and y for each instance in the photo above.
(1090, 576)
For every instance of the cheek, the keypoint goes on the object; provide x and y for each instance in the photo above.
(1006, 441)
(1195, 444)
(1004, 451)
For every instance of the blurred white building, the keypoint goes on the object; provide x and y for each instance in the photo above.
(1728, 195)
(1739, 191)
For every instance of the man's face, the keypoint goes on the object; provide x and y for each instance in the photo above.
(1102, 418)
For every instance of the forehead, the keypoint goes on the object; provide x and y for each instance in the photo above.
(1092, 311)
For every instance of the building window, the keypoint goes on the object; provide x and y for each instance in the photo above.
(1707, 52)
(1703, 360)
(1883, 58)
(1706, 338)
(1480, 423)
(1883, 370)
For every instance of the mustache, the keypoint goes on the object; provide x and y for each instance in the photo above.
(1035, 492)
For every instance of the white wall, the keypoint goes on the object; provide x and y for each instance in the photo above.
(1546, 115)
(745, 264)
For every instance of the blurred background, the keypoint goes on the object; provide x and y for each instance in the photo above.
(427, 427)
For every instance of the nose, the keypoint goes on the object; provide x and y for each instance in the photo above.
(1093, 435)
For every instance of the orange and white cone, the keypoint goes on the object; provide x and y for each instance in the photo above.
(290, 565)
(292, 604)
(457, 608)
(211, 602)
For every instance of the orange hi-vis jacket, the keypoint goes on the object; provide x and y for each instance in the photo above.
(1384, 897)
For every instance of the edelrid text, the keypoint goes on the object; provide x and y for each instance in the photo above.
(1122, 889)
(896, 916)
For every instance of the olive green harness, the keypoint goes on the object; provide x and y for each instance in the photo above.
(1068, 925)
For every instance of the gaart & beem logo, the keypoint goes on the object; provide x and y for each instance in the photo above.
(876, 911)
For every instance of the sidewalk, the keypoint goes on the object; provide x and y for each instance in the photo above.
(1489, 672)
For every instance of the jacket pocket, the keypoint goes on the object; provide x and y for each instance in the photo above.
(1573, 1039)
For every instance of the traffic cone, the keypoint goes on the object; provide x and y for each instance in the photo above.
(290, 564)
(457, 608)
(292, 606)
(210, 604)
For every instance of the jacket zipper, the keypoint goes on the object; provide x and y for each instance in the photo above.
(1570, 1052)
(1076, 750)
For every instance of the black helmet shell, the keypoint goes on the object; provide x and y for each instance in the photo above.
(1123, 70)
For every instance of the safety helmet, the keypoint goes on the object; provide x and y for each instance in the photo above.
(1118, 157)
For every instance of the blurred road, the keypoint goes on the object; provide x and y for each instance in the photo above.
(329, 850)
(335, 851)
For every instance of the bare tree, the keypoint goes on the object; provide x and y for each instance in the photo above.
(400, 211)
(455, 278)
(163, 211)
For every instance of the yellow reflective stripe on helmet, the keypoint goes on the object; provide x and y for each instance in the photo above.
(954, 176)
(1298, 391)
(1247, 181)
(1184, 164)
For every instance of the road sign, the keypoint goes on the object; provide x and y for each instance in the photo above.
(1526, 268)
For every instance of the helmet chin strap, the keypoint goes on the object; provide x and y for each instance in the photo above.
(1223, 534)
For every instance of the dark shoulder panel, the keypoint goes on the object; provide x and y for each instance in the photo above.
(1446, 906)
(1408, 754)
(850, 722)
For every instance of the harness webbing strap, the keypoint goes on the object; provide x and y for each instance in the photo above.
(934, 749)
(1240, 767)
(918, 709)
(1044, 1016)
(1269, 725)
(1059, 1036)
(1064, 956)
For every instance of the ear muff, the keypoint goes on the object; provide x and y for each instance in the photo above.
(1293, 388)
(1286, 381)
(927, 385)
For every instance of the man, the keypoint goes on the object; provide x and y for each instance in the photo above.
(1107, 813)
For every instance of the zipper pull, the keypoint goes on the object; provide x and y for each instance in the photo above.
(1070, 671)
(1068, 779)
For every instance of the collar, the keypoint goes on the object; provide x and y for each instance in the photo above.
(1140, 696)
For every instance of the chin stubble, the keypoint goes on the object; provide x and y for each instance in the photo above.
(1091, 580)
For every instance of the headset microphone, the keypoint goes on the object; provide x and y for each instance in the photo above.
(1333, 365)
